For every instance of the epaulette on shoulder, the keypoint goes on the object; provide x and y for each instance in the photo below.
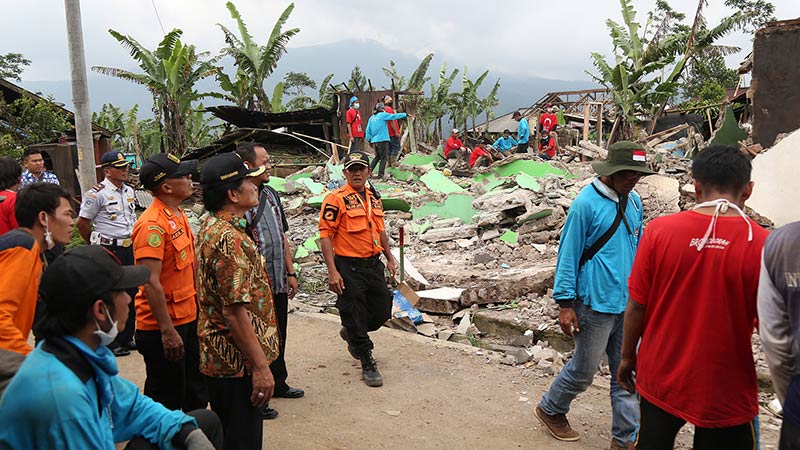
(98, 187)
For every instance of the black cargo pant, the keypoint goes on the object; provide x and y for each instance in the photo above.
(381, 155)
(366, 303)
(174, 384)
(125, 337)
(241, 421)
(278, 367)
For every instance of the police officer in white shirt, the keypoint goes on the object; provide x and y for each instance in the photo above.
(108, 207)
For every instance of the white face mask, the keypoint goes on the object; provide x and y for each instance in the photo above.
(107, 337)
(356, 105)
(48, 236)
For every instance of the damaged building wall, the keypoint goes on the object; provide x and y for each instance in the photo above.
(775, 87)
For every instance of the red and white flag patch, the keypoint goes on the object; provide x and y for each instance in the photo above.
(639, 155)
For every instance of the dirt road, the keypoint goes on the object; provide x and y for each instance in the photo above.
(436, 395)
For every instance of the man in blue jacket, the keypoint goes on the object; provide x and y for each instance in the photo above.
(523, 132)
(68, 393)
(595, 258)
(505, 143)
(378, 135)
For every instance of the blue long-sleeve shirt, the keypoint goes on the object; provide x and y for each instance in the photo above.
(87, 406)
(602, 282)
(377, 130)
(523, 131)
(504, 144)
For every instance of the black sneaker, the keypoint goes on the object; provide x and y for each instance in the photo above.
(369, 371)
(268, 413)
(343, 335)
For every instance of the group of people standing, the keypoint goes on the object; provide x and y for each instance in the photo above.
(383, 132)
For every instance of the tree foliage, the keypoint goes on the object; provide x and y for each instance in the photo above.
(758, 13)
(357, 81)
(27, 121)
(12, 65)
(294, 86)
(256, 62)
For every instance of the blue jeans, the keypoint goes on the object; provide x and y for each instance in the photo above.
(600, 333)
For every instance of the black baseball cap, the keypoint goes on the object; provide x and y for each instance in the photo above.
(114, 159)
(226, 167)
(82, 275)
(355, 158)
(161, 166)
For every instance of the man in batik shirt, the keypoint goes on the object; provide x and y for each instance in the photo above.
(238, 329)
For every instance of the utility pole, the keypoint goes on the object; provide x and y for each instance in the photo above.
(80, 96)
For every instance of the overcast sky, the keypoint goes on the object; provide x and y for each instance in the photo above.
(557, 44)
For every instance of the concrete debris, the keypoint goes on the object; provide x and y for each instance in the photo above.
(775, 183)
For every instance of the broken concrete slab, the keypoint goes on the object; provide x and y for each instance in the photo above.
(526, 181)
(412, 274)
(416, 159)
(660, 195)
(277, 183)
(444, 300)
(438, 182)
(776, 184)
(485, 219)
(510, 237)
(552, 221)
(455, 205)
(534, 213)
(450, 234)
(504, 200)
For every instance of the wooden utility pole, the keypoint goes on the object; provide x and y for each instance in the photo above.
(80, 96)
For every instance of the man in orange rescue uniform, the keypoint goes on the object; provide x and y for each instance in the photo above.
(166, 306)
(352, 237)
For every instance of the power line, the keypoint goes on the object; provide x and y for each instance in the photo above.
(157, 16)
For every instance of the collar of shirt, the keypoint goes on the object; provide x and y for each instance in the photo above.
(111, 186)
(605, 190)
(238, 222)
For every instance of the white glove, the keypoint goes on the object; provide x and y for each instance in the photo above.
(197, 440)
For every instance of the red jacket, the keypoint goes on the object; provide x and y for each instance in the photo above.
(453, 143)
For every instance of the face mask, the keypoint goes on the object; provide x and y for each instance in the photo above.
(48, 236)
(721, 206)
(356, 105)
(107, 337)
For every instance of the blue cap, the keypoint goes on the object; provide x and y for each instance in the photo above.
(113, 159)
(353, 99)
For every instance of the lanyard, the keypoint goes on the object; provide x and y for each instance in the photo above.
(368, 209)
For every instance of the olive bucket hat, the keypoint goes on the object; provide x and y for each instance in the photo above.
(623, 155)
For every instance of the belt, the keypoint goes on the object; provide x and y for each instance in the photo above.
(122, 242)
(362, 262)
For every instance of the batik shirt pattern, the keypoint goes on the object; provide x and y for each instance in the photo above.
(230, 270)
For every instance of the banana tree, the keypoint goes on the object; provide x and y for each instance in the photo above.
(257, 61)
(434, 107)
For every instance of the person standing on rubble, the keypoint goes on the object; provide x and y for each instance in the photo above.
(268, 226)
(693, 304)
(352, 237)
(523, 132)
(355, 129)
(378, 135)
(778, 298)
(595, 257)
(394, 132)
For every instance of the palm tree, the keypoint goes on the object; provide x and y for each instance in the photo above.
(169, 73)
(256, 61)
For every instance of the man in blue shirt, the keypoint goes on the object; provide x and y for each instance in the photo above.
(68, 393)
(523, 132)
(378, 135)
(595, 257)
(34, 169)
(505, 143)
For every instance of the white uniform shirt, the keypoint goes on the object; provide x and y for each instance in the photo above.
(111, 209)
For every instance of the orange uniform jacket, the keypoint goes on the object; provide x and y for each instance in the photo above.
(160, 233)
(20, 272)
(352, 223)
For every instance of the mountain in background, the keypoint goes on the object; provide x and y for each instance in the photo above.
(318, 61)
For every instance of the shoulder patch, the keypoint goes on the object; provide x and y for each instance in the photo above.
(376, 203)
(97, 187)
(157, 228)
(154, 239)
(330, 213)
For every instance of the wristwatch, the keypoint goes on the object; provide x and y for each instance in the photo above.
(291, 274)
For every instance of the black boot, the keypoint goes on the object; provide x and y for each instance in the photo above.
(369, 370)
(343, 335)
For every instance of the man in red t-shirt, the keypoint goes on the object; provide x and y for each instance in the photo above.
(454, 148)
(693, 304)
(10, 172)
(480, 157)
(548, 121)
(355, 131)
(548, 146)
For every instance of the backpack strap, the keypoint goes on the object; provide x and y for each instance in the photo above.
(603, 240)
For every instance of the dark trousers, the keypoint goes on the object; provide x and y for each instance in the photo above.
(206, 421)
(241, 421)
(278, 367)
(382, 155)
(790, 436)
(125, 337)
(658, 428)
(175, 384)
(366, 303)
(394, 145)
(482, 161)
(354, 146)
(522, 147)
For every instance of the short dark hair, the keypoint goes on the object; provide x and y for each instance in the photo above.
(69, 321)
(506, 131)
(10, 170)
(247, 150)
(215, 197)
(516, 114)
(29, 152)
(722, 167)
(37, 197)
